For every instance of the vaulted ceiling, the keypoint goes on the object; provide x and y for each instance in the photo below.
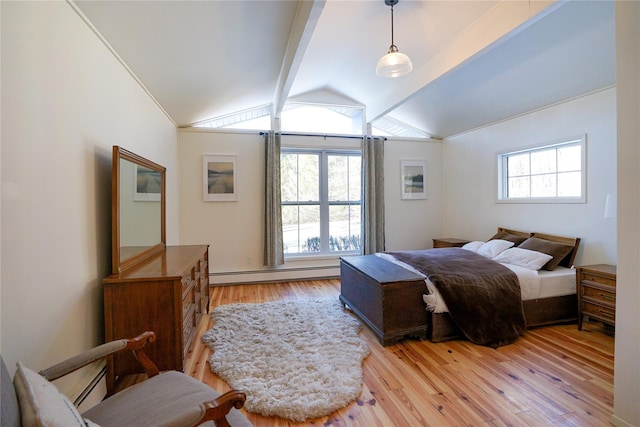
(475, 62)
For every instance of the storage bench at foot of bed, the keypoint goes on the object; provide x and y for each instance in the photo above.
(385, 296)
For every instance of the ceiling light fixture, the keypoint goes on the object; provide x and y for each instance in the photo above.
(394, 63)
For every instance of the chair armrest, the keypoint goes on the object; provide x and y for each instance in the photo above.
(85, 358)
(217, 409)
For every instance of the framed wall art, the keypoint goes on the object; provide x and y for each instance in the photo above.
(220, 178)
(413, 173)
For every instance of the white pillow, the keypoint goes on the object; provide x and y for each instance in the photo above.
(473, 246)
(41, 404)
(493, 248)
(526, 258)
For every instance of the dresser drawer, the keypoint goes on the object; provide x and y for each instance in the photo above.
(188, 304)
(188, 328)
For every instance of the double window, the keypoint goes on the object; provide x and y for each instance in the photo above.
(320, 192)
(552, 173)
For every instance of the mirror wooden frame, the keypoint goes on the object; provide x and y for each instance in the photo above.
(118, 265)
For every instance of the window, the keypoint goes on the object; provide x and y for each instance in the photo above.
(552, 173)
(388, 126)
(322, 118)
(257, 118)
(320, 201)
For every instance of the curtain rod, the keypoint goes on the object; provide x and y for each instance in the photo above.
(323, 136)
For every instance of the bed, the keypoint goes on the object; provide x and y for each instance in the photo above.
(396, 300)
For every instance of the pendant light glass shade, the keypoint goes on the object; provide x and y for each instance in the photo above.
(394, 64)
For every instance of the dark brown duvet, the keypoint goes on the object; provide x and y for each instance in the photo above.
(483, 296)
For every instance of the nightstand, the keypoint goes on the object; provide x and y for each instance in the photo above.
(596, 290)
(448, 242)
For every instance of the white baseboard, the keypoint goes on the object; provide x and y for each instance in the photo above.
(619, 422)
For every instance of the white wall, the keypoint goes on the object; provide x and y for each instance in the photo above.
(65, 101)
(627, 359)
(234, 229)
(412, 224)
(470, 177)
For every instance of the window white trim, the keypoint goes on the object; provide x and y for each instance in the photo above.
(502, 187)
(323, 202)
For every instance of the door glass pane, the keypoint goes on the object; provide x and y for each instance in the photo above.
(290, 231)
(355, 178)
(344, 228)
(310, 228)
(338, 178)
(308, 177)
(289, 177)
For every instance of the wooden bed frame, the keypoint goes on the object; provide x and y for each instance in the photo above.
(388, 298)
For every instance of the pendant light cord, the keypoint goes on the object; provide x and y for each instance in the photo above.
(392, 43)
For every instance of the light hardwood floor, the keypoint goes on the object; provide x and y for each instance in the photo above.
(552, 376)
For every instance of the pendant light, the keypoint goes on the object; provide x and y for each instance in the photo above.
(394, 63)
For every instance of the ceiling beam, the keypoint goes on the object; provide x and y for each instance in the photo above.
(506, 19)
(307, 16)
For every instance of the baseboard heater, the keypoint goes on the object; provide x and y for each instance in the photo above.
(88, 385)
(274, 275)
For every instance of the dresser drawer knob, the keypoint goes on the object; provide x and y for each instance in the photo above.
(607, 296)
(606, 314)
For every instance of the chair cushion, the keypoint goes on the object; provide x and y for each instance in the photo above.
(41, 404)
(10, 413)
(168, 399)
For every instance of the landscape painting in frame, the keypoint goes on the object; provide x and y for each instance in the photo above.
(219, 173)
(147, 185)
(413, 179)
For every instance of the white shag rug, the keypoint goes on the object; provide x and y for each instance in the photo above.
(297, 359)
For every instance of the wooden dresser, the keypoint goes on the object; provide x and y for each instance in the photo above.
(596, 289)
(167, 294)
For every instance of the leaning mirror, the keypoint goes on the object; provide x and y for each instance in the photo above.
(138, 209)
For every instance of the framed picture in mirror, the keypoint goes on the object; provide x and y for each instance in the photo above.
(147, 184)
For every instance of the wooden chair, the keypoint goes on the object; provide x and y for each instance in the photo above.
(170, 399)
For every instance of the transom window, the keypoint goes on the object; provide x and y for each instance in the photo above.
(552, 173)
(320, 201)
(322, 118)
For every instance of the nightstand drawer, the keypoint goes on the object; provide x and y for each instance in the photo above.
(598, 294)
(592, 278)
(599, 312)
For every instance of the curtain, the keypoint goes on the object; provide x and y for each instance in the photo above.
(372, 195)
(273, 247)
